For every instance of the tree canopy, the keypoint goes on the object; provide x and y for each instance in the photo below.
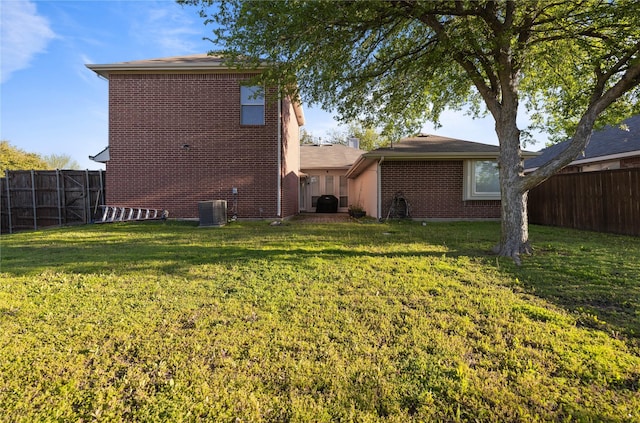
(573, 65)
(13, 158)
(61, 161)
(399, 63)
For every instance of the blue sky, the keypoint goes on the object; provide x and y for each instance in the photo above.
(52, 104)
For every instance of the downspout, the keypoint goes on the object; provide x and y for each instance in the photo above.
(279, 194)
(379, 184)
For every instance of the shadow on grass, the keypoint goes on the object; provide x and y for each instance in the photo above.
(173, 247)
(592, 275)
(595, 276)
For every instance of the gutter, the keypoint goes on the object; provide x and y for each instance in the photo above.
(279, 193)
(379, 186)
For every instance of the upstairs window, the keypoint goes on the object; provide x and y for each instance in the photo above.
(251, 105)
(482, 180)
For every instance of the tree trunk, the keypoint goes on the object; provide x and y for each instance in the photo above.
(514, 238)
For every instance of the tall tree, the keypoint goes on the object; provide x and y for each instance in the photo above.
(574, 65)
(368, 138)
(61, 161)
(13, 158)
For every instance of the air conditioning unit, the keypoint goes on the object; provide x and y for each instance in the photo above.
(213, 213)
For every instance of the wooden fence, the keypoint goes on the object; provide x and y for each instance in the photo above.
(33, 199)
(604, 201)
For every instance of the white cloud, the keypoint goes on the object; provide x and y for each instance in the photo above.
(168, 27)
(24, 34)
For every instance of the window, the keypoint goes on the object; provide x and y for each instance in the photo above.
(328, 185)
(344, 200)
(314, 186)
(251, 105)
(482, 181)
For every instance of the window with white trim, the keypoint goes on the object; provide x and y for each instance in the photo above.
(251, 105)
(482, 180)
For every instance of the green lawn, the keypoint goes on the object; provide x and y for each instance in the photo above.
(366, 322)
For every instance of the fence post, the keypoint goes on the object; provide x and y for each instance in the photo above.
(87, 198)
(33, 198)
(6, 173)
(59, 199)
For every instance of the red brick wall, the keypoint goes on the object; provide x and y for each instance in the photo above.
(151, 117)
(433, 190)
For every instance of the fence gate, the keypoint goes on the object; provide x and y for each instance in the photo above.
(33, 199)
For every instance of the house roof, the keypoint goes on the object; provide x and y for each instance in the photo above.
(429, 147)
(328, 156)
(101, 157)
(611, 142)
(200, 63)
(175, 63)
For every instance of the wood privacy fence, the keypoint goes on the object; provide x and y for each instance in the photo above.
(604, 201)
(33, 199)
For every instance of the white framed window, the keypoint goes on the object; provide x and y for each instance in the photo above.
(482, 180)
(344, 192)
(251, 105)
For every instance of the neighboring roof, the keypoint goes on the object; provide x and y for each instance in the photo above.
(192, 63)
(101, 157)
(609, 143)
(328, 156)
(426, 146)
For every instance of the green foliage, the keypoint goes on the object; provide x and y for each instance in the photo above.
(396, 64)
(61, 161)
(369, 138)
(13, 158)
(306, 137)
(394, 322)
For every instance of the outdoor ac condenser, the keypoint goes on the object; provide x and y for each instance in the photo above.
(213, 213)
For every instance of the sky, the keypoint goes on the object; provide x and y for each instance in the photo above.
(50, 103)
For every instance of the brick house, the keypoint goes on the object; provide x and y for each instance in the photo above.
(429, 177)
(323, 172)
(189, 129)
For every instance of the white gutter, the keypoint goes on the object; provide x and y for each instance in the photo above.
(279, 194)
(379, 184)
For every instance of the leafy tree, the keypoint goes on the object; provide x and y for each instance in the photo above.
(61, 161)
(13, 158)
(573, 64)
(306, 137)
(368, 138)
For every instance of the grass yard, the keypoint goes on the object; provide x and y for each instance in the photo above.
(163, 321)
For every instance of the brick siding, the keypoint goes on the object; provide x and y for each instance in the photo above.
(433, 190)
(151, 118)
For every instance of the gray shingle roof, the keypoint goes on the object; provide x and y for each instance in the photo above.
(328, 156)
(608, 141)
(425, 144)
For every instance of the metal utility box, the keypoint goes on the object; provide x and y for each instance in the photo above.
(213, 213)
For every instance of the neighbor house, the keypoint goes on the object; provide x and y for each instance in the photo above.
(188, 129)
(429, 177)
(613, 147)
(323, 172)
